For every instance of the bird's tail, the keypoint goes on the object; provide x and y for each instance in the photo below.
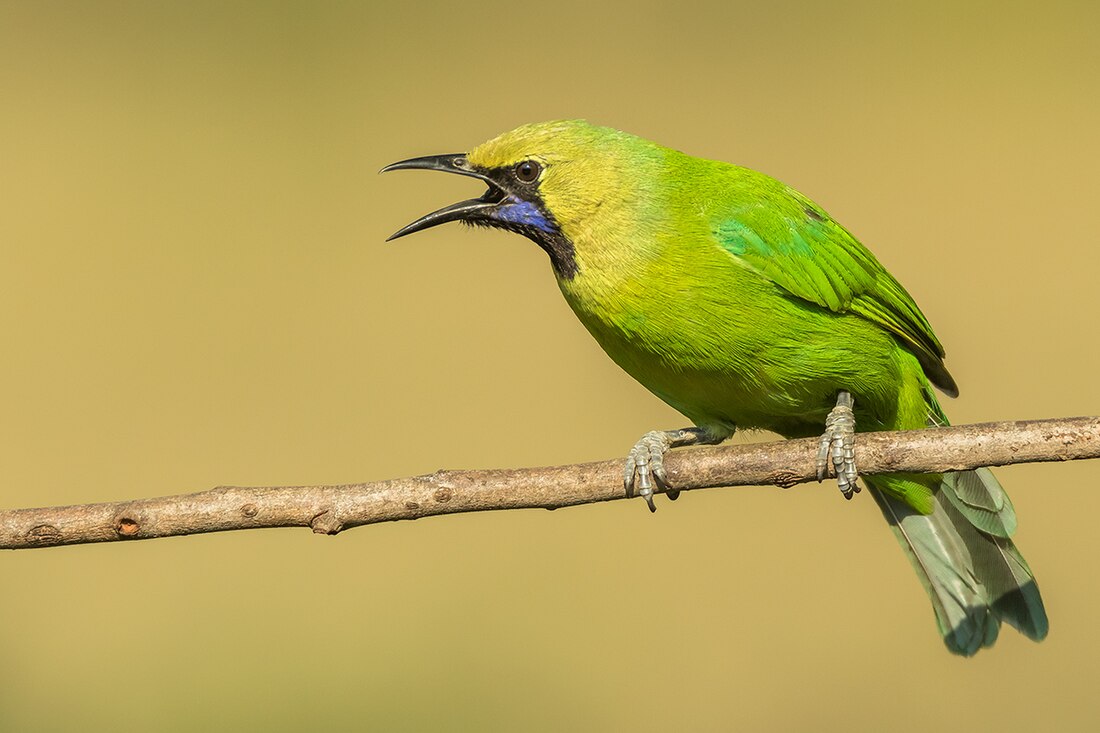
(963, 553)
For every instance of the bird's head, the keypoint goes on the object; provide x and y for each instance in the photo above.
(552, 182)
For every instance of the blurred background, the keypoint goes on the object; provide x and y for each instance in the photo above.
(195, 290)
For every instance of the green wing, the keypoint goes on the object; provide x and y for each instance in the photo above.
(784, 236)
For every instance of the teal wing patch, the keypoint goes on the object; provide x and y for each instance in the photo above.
(788, 239)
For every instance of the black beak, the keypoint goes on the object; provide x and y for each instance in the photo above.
(463, 210)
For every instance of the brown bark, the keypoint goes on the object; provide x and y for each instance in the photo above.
(331, 509)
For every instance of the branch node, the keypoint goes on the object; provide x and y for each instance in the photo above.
(325, 522)
(127, 527)
(44, 534)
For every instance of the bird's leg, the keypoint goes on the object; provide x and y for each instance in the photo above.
(645, 464)
(838, 443)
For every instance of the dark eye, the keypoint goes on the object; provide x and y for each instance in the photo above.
(528, 171)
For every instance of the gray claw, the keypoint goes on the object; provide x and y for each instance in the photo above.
(645, 464)
(838, 446)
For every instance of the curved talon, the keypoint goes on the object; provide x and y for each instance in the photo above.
(628, 475)
(659, 474)
(661, 478)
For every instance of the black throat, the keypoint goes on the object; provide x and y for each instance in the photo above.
(549, 236)
(555, 244)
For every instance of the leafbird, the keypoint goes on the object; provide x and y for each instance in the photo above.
(742, 304)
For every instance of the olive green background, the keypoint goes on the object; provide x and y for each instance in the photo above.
(195, 290)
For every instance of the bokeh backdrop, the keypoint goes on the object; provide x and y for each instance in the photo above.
(195, 290)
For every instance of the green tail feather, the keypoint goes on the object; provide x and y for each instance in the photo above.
(962, 553)
(979, 497)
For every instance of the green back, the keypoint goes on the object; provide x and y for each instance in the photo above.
(784, 236)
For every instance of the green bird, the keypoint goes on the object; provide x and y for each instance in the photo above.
(742, 304)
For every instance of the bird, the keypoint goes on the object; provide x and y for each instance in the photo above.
(744, 305)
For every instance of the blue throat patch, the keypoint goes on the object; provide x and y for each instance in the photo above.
(524, 213)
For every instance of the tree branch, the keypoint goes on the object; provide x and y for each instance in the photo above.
(331, 509)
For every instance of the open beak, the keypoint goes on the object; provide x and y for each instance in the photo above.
(470, 209)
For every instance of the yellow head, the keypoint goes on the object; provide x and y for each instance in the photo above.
(553, 182)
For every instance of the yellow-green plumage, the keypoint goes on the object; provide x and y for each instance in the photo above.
(742, 304)
(680, 277)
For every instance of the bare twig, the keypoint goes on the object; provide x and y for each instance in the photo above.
(330, 509)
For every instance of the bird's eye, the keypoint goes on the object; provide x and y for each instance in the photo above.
(528, 171)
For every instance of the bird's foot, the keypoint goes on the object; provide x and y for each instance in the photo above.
(645, 464)
(838, 444)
